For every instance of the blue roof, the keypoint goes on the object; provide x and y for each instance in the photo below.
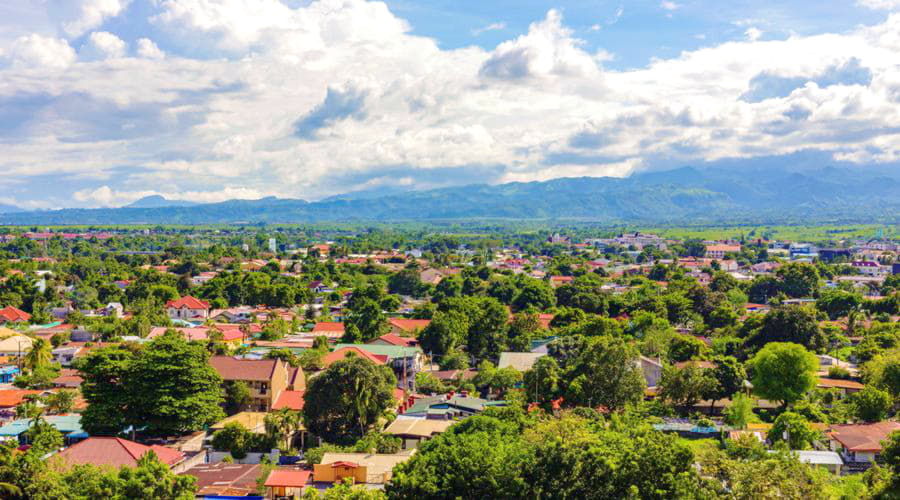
(9, 369)
(66, 424)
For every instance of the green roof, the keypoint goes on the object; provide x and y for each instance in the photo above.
(391, 351)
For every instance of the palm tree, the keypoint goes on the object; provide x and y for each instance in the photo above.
(39, 356)
(281, 425)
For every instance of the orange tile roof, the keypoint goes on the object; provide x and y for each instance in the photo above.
(290, 399)
(14, 397)
(409, 325)
(839, 383)
(343, 352)
(329, 326)
(393, 339)
(13, 315)
(863, 437)
(288, 478)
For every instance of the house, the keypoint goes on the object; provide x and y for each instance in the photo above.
(362, 468)
(230, 336)
(286, 483)
(203, 277)
(719, 251)
(413, 430)
(221, 479)
(869, 268)
(11, 398)
(431, 276)
(845, 387)
(405, 361)
(8, 373)
(10, 314)
(253, 421)
(68, 425)
(266, 378)
(65, 354)
(330, 329)
(394, 339)
(828, 460)
(558, 281)
(188, 308)
(450, 406)
(115, 452)
(860, 443)
(408, 327)
(14, 344)
(652, 370)
(343, 351)
(519, 361)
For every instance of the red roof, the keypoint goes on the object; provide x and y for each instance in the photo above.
(188, 302)
(343, 352)
(288, 478)
(863, 437)
(116, 452)
(394, 339)
(12, 315)
(290, 399)
(199, 333)
(344, 463)
(329, 326)
(230, 368)
(409, 325)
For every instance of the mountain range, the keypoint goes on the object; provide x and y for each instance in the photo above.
(684, 195)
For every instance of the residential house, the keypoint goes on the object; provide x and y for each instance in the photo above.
(8, 373)
(520, 361)
(10, 314)
(286, 483)
(330, 329)
(68, 425)
(347, 350)
(828, 460)
(233, 337)
(558, 281)
(11, 398)
(718, 251)
(450, 406)
(361, 468)
(860, 443)
(652, 370)
(405, 361)
(222, 479)
(14, 344)
(431, 276)
(266, 378)
(115, 452)
(188, 308)
(414, 430)
(869, 268)
(408, 327)
(394, 339)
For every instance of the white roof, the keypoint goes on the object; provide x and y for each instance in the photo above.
(814, 457)
(521, 361)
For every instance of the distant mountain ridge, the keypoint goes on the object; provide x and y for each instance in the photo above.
(682, 195)
(6, 209)
(157, 201)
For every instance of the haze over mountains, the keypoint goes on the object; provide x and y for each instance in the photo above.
(683, 195)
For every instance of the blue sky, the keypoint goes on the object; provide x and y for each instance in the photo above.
(107, 101)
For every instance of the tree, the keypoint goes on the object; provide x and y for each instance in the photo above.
(685, 348)
(59, 402)
(606, 373)
(233, 438)
(478, 458)
(487, 329)
(798, 279)
(871, 404)
(344, 401)
(366, 316)
(445, 333)
(729, 374)
(154, 480)
(792, 428)
(40, 355)
(542, 380)
(684, 387)
(837, 303)
(237, 396)
(427, 383)
(790, 324)
(740, 412)
(522, 330)
(166, 387)
(783, 372)
(535, 294)
(281, 425)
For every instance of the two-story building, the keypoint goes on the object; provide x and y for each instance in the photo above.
(267, 379)
(188, 309)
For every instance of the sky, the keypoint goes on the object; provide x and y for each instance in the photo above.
(103, 102)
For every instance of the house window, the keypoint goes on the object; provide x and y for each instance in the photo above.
(263, 387)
